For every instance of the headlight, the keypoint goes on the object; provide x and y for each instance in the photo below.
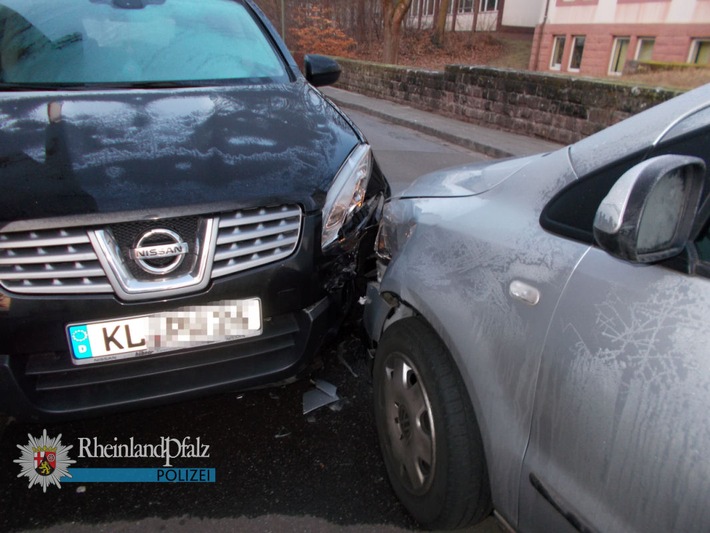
(383, 242)
(346, 194)
(396, 227)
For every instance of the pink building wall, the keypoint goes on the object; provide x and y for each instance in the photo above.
(672, 43)
(674, 24)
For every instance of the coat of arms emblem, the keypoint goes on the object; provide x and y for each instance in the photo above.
(44, 461)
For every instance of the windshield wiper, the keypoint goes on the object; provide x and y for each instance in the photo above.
(96, 86)
(155, 85)
(29, 87)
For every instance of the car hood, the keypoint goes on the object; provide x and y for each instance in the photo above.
(466, 180)
(159, 150)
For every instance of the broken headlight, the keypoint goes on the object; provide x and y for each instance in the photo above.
(385, 235)
(396, 226)
(346, 196)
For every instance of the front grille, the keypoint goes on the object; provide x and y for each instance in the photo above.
(128, 233)
(51, 262)
(63, 261)
(255, 237)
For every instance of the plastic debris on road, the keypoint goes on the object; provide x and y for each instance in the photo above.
(323, 394)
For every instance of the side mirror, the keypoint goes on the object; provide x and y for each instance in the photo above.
(321, 70)
(648, 214)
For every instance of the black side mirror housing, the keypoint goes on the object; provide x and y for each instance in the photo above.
(321, 70)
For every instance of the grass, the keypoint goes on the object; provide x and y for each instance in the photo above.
(672, 79)
(515, 53)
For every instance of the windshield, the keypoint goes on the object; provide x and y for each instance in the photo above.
(116, 42)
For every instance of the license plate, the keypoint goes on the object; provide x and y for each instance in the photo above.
(186, 327)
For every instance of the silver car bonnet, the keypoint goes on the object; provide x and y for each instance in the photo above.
(466, 180)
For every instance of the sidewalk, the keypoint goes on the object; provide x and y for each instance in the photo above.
(488, 141)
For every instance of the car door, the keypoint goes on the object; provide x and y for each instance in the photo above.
(620, 428)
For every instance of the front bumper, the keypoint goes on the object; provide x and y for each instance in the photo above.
(375, 313)
(39, 381)
(48, 386)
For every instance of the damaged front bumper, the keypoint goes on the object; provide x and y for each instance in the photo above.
(304, 300)
(377, 310)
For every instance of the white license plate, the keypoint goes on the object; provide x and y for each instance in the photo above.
(178, 329)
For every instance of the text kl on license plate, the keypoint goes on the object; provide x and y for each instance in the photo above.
(181, 328)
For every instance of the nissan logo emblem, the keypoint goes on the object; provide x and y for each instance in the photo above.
(159, 251)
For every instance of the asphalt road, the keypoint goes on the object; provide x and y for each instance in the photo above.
(276, 469)
(270, 461)
(404, 154)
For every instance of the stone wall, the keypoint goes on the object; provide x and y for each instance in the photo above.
(553, 107)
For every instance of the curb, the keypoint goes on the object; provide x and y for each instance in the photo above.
(459, 140)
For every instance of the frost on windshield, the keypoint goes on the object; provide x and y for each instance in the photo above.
(89, 42)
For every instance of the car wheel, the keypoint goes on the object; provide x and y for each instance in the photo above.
(428, 433)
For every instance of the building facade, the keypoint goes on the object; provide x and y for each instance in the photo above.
(599, 37)
(479, 15)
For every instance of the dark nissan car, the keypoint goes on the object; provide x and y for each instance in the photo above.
(181, 212)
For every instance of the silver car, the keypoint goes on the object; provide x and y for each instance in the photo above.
(541, 334)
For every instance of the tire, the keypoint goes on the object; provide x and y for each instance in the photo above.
(428, 432)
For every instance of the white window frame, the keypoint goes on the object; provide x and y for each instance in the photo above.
(463, 7)
(484, 3)
(414, 10)
(695, 48)
(639, 45)
(556, 46)
(615, 54)
(570, 68)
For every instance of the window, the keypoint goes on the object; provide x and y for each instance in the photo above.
(558, 48)
(572, 211)
(466, 6)
(644, 50)
(489, 5)
(92, 46)
(618, 55)
(700, 52)
(703, 244)
(575, 59)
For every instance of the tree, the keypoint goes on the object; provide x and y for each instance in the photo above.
(437, 36)
(393, 12)
(274, 11)
(314, 31)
